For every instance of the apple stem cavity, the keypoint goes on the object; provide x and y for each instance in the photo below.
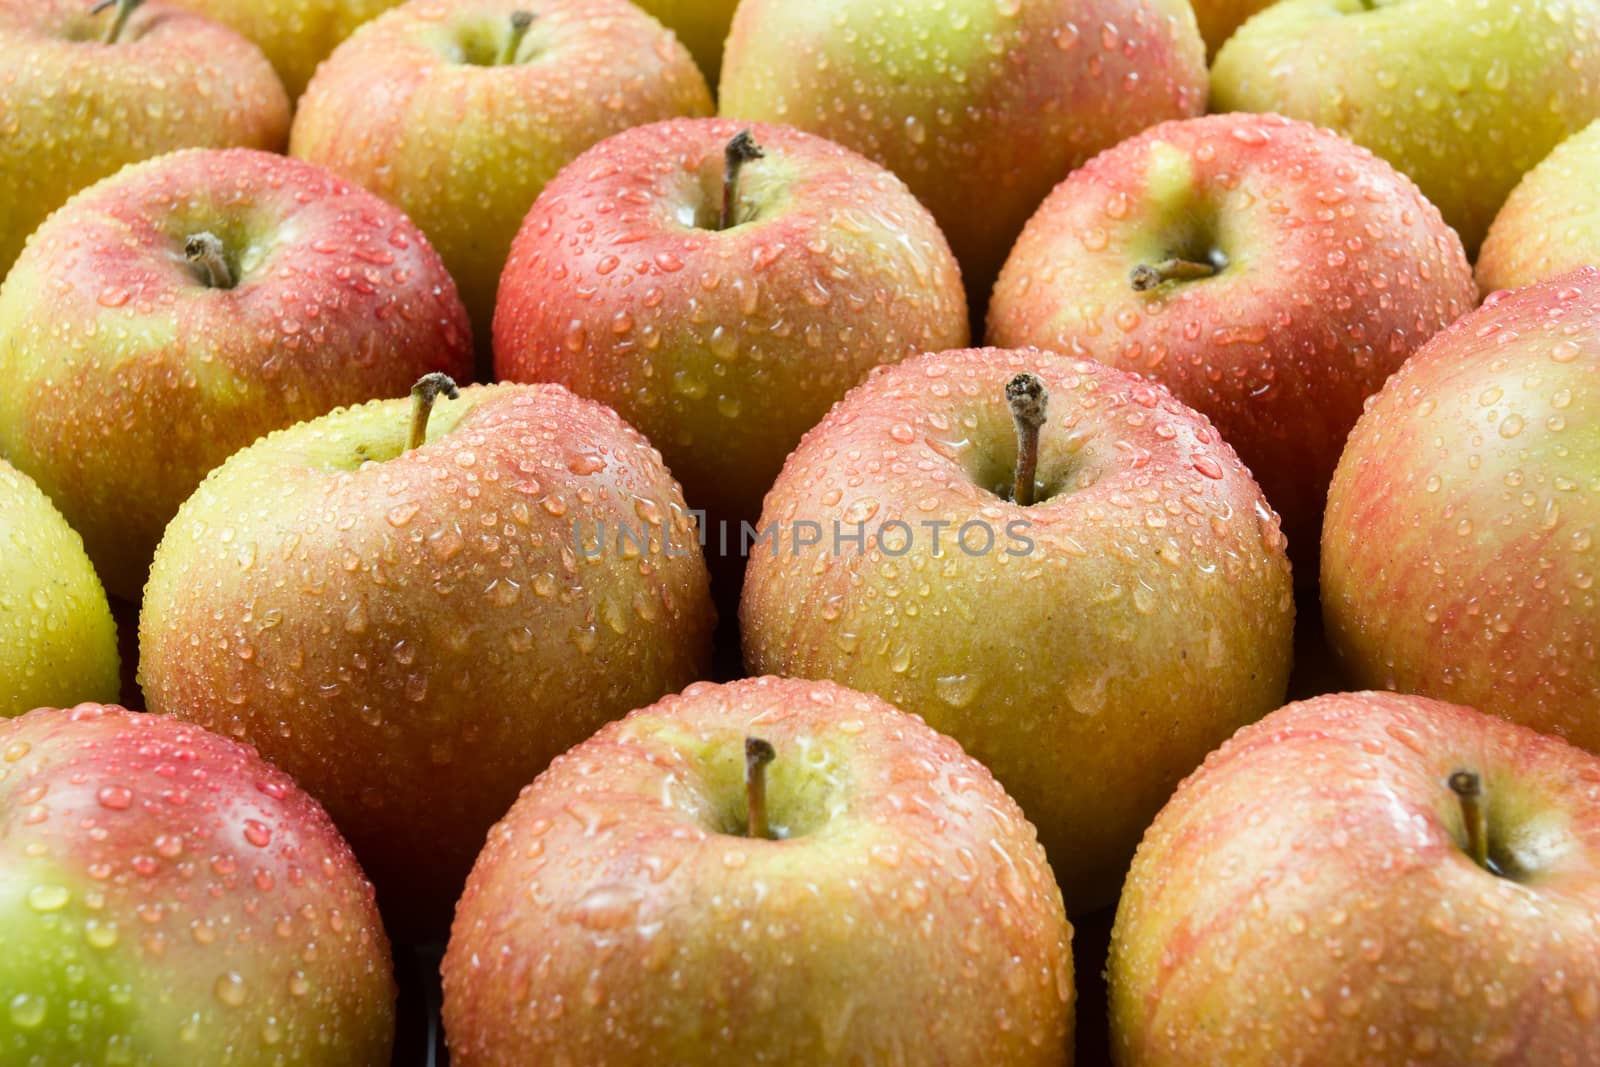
(428, 389)
(1147, 276)
(520, 22)
(741, 150)
(757, 754)
(119, 21)
(205, 250)
(1029, 402)
(1468, 788)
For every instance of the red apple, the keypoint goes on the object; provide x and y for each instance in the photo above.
(772, 871)
(459, 111)
(1270, 273)
(169, 897)
(1367, 878)
(723, 340)
(414, 616)
(1460, 550)
(132, 369)
(87, 87)
(1089, 610)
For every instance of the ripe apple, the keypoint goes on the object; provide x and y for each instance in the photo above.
(723, 339)
(770, 871)
(174, 313)
(90, 87)
(981, 106)
(58, 642)
(296, 35)
(1459, 554)
(702, 26)
(1462, 95)
(1049, 559)
(1270, 273)
(1367, 878)
(414, 621)
(1550, 223)
(170, 897)
(460, 111)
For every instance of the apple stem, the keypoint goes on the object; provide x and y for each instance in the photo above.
(520, 21)
(423, 394)
(119, 22)
(205, 251)
(1029, 401)
(757, 754)
(1468, 788)
(1147, 276)
(741, 150)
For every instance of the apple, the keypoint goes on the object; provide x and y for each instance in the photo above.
(1270, 273)
(1550, 223)
(170, 897)
(1367, 878)
(414, 615)
(296, 35)
(1218, 19)
(702, 26)
(769, 871)
(90, 87)
(1459, 552)
(981, 106)
(58, 642)
(172, 314)
(1464, 96)
(723, 339)
(1051, 560)
(459, 111)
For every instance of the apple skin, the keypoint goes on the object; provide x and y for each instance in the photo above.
(1550, 223)
(76, 110)
(370, 617)
(1151, 618)
(1476, 472)
(1464, 96)
(619, 914)
(130, 378)
(296, 35)
(464, 149)
(1306, 897)
(702, 26)
(723, 347)
(58, 642)
(170, 897)
(980, 106)
(1338, 270)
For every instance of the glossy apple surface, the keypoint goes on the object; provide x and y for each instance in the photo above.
(980, 106)
(133, 372)
(436, 109)
(903, 913)
(415, 633)
(1309, 896)
(1459, 554)
(1089, 648)
(58, 642)
(1323, 269)
(1550, 223)
(723, 345)
(74, 110)
(170, 897)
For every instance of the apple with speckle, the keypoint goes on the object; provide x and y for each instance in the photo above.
(1367, 878)
(170, 315)
(1463, 526)
(413, 606)
(90, 87)
(1051, 560)
(769, 871)
(1271, 274)
(720, 286)
(170, 897)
